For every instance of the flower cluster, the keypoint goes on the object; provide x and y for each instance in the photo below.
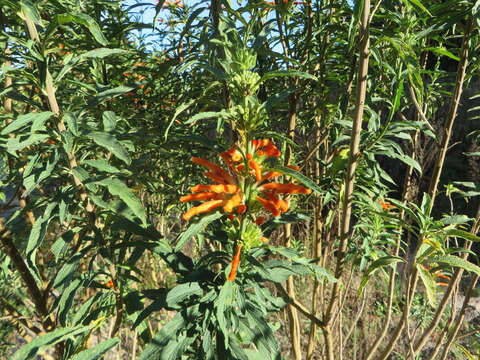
(242, 189)
(244, 183)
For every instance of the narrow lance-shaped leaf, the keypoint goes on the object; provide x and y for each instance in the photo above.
(118, 188)
(97, 351)
(195, 228)
(110, 143)
(455, 261)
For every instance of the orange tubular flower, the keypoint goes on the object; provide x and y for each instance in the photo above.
(269, 206)
(200, 196)
(225, 193)
(200, 209)
(265, 147)
(231, 155)
(260, 220)
(256, 168)
(215, 169)
(386, 205)
(218, 188)
(235, 263)
(442, 276)
(109, 284)
(286, 188)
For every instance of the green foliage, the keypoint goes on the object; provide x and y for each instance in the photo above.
(103, 109)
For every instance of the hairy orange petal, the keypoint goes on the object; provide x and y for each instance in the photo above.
(269, 150)
(442, 284)
(232, 155)
(283, 206)
(286, 188)
(260, 143)
(241, 209)
(259, 220)
(199, 196)
(217, 170)
(386, 205)
(264, 239)
(270, 175)
(235, 263)
(442, 276)
(232, 203)
(217, 188)
(203, 208)
(294, 167)
(215, 177)
(256, 168)
(280, 204)
(269, 206)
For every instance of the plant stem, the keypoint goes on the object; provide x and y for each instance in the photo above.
(447, 131)
(350, 175)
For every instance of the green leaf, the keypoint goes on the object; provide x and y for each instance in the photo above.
(72, 122)
(455, 261)
(205, 115)
(463, 234)
(309, 183)
(455, 219)
(110, 143)
(110, 93)
(225, 300)
(420, 5)
(118, 188)
(109, 121)
(78, 18)
(442, 51)
(156, 349)
(30, 350)
(409, 161)
(178, 111)
(288, 218)
(24, 120)
(196, 228)
(429, 283)
(97, 351)
(28, 10)
(293, 73)
(182, 292)
(378, 264)
(102, 165)
(101, 53)
(66, 300)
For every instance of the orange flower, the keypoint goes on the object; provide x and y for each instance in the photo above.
(386, 205)
(231, 155)
(218, 188)
(203, 208)
(109, 284)
(215, 169)
(442, 276)
(256, 168)
(200, 196)
(225, 193)
(235, 263)
(286, 188)
(260, 220)
(269, 206)
(265, 147)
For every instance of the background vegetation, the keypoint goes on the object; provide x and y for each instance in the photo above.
(375, 102)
